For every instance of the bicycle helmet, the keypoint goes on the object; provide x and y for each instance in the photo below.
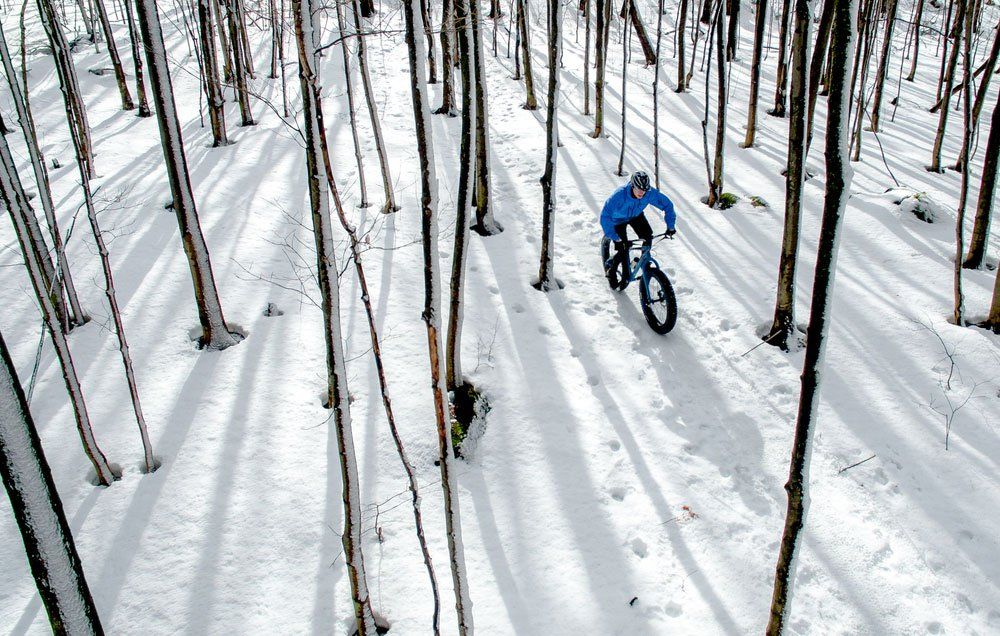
(640, 180)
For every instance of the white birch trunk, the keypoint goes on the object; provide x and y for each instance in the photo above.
(48, 542)
(327, 275)
(432, 287)
(215, 331)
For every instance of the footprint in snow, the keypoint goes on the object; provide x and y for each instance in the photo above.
(518, 309)
(726, 325)
(494, 289)
(683, 291)
(614, 445)
(618, 493)
(593, 380)
(673, 609)
(640, 548)
(545, 331)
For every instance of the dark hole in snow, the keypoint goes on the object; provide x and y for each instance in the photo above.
(157, 462)
(116, 472)
(272, 310)
(469, 407)
(169, 205)
(101, 70)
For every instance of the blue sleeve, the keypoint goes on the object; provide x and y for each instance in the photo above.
(661, 201)
(607, 222)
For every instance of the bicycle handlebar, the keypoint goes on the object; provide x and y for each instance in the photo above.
(663, 236)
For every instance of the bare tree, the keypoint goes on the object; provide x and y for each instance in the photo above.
(241, 69)
(630, 14)
(838, 182)
(992, 321)
(717, 172)
(366, 82)
(917, 24)
(447, 61)
(210, 84)
(601, 54)
(935, 165)
(981, 229)
(425, 17)
(681, 20)
(48, 541)
(626, 39)
(656, 96)
(136, 44)
(546, 276)
(75, 316)
(13, 196)
(586, 55)
(530, 102)
(351, 111)
(453, 355)
(116, 63)
(784, 310)
(758, 47)
(781, 82)
(215, 331)
(76, 113)
(883, 62)
(485, 224)
(987, 68)
(326, 263)
(733, 33)
(816, 64)
(428, 230)
(959, 309)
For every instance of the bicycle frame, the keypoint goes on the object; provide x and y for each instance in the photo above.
(638, 270)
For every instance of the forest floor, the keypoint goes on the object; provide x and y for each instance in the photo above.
(624, 482)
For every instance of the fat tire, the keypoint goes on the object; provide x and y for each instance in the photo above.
(658, 278)
(617, 274)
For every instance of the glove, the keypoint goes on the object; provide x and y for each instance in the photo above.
(670, 233)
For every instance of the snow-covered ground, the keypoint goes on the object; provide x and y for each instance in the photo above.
(625, 483)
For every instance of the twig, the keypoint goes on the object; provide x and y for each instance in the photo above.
(857, 464)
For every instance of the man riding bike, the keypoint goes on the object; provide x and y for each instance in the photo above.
(624, 209)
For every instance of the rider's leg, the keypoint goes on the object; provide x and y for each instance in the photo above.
(642, 229)
(621, 245)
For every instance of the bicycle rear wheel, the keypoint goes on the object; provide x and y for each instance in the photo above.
(616, 271)
(659, 305)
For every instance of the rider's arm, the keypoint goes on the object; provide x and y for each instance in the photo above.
(664, 203)
(607, 221)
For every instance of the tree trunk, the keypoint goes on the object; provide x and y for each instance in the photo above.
(715, 192)
(656, 96)
(227, 54)
(236, 40)
(136, 44)
(75, 316)
(466, 185)
(984, 209)
(916, 39)
(600, 52)
(681, 80)
(883, 62)
(485, 223)
(428, 207)
(987, 68)
(336, 371)
(630, 13)
(351, 111)
(215, 331)
(522, 28)
(275, 37)
(781, 82)
(447, 60)
(213, 90)
(425, 17)
(958, 315)
(816, 65)
(784, 309)
(868, 37)
(586, 57)
(12, 194)
(948, 33)
(626, 39)
(76, 113)
(48, 541)
(366, 83)
(733, 33)
(758, 47)
(838, 182)
(116, 62)
(935, 165)
(546, 274)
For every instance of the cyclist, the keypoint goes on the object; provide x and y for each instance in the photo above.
(625, 207)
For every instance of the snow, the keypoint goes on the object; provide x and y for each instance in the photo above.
(615, 464)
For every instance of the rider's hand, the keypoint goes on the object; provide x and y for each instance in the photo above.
(670, 233)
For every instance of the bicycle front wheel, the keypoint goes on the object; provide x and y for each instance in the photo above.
(659, 304)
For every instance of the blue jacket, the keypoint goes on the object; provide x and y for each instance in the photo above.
(621, 207)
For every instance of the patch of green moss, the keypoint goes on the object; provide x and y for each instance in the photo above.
(727, 200)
